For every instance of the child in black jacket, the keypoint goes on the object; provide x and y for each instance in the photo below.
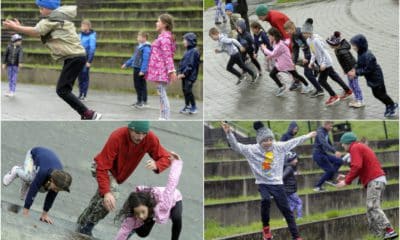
(290, 182)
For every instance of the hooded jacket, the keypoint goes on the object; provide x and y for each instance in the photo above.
(189, 65)
(245, 38)
(366, 63)
(58, 33)
(261, 38)
(140, 57)
(88, 41)
(322, 142)
(289, 134)
(13, 55)
(344, 56)
(319, 52)
(298, 42)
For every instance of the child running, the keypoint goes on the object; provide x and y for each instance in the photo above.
(260, 37)
(12, 59)
(219, 13)
(266, 159)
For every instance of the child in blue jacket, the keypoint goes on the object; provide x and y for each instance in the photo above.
(188, 71)
(140, 61)
(88, 40)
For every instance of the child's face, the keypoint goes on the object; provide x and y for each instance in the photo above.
(214, 37)
(185, 43)
(255, 30)
(137, 137)
(18, 43)
(44, 11)
(239, 29)
(85, 27)
(306, 35)
(141, 212)
(229, 13)
(267, 143)
(271, 38)
(294, 162)
(141, 39)
(160, 25)
(289, 31)
(355, 48)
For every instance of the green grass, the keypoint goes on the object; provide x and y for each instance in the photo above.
(208, 4)
(214, 230)
(286, 1)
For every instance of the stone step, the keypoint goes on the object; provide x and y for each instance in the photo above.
(230, 188)
(226, 168)
(246, 212)
(352, 227)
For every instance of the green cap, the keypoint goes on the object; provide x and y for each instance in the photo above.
(139, 126)
(348, 138)
(262, 10)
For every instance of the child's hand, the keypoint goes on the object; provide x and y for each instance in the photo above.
(3, 66)
(305, 61)
(141, 73)
(45, 218)
(226, 127)
(312, 134)
(180, 76)
(322, 68)
(123, 66)
(172, 76)
(151, 165)
(242, 49)
(88, 64)
(352, 73)
(20, 65)
(174, 156)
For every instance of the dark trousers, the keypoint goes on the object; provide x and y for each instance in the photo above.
(140, 86)
(279, 194)
(83, 80)
(237, 59)
(381, 94)
(253, 59)
(329, 163)
(308, 72)
(323, 80)
(176, 218)
(187, 87)
(70, 71)
(274, 75)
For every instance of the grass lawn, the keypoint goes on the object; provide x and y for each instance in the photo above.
(208, 4)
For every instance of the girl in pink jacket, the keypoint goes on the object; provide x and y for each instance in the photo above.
(161, 69)
(149, 205)
(283, 61)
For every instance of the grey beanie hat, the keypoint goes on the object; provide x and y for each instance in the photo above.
(262, 132)
(307, 26)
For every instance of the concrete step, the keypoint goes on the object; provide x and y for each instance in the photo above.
(305, 149)
(352, 227)
(246, 212)
(227, 168)
(246, 186)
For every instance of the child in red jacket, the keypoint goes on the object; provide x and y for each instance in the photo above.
(365, 165)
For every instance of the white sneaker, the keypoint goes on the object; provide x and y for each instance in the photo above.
(7, 94)
(280, 91)
(305, 89)
(10, 176)
(24, 190)
(162, 119)
(356, 104)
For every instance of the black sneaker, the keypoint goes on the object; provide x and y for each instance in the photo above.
(294, 86)
(139, 105)
(317, 94)
(86, 229)
(217, 23)
(91, 115)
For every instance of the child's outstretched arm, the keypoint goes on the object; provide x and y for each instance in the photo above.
(235, 145)
(172, 182)
(16, 26)
(292, 143)
(127, 226)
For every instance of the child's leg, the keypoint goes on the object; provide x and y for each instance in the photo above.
(28, 172)
(81, 78)
(296, 203)
(296, 75)
(145, 229)
(355, 87)
(9, 76)
(377, 219)
(265, 203)
(230, 68)
(14, 77)
(323, 162)
(136, 84)
(381, 94)
(71, 69)
(255, 61)
(335, 77)
(143, 86)
(281, 200)
(164, 102)
(176, 217)
(310, 76)
(323, 81)
(274, 75)
(86, 82)
(184, 90)
(239, 61)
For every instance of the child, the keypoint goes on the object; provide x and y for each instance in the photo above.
(88, 41)
(260, 37)
(188, 71)
(368, 67)
(348, 63)
(13, 60)
(292, 131)
(290, 182)
(57, 32)
(298, 41)
(366, 167)
(42, 171)
(233, 18)
(139, 61)
(219, 13)
(266, 159)
(283, 62)
(231, 46)
(149, 205)
(320, 55)
(161, 69)
(246, 40)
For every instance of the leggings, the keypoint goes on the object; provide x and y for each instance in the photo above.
(164, 102)
(355, 87)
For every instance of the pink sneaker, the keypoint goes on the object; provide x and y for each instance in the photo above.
(10, 176)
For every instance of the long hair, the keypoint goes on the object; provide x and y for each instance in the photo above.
(168, 20)
(275, 33)
(134, 200)
(256, 25)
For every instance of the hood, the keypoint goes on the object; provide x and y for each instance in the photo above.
(191, 39)
(64, 13)
(292, 126)
(290, 156)
(361, 42)
(242, 24)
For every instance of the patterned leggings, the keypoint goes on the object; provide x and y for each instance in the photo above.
(219, 12)
(355, 87)
(28, 172)
(164, 102)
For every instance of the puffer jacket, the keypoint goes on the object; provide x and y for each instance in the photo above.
(344, 56)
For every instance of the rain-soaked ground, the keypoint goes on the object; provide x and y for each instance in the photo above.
(77, 143)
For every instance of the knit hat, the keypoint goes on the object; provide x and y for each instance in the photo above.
(290, 156)
(49, 4)
(61, 179)
(262, 132)
(307, 26)
(348, 138)
(139, 126)
(262, 10)
(229, 7)
(16, 37)
(334, 40)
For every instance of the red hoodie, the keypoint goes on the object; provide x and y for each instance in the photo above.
(364, 164)
(277, 20)
(120, 156)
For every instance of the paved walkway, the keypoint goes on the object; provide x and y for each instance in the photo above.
(378, 20)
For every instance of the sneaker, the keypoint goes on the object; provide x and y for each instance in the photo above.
(186, 109)
(390, 234)
(294, 86)
(10, 176)
(332, 100)
(24, 190)
(91, 115)
(242, 78)
(162, 119)
(318, 189)
(86, 229)
(317, 94)
(7, 94)
(145, 105)
(139, 105)
(280, 91)
(305, 89)
(267, 235)
(217, 22)
(356, 104)
(193, 110)
(255, 77)
(346, 95)
(393, 110)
